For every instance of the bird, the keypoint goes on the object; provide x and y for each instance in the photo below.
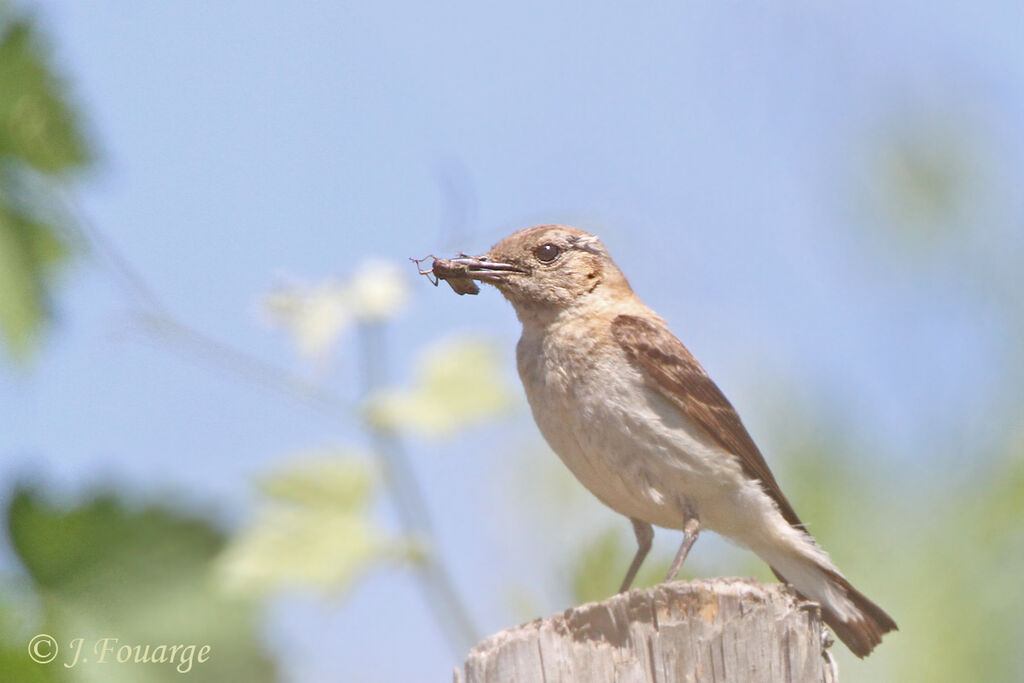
(638, 421)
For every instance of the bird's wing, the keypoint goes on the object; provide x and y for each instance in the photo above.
(681, 379)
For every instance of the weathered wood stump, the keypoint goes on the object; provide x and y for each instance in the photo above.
(700, 632)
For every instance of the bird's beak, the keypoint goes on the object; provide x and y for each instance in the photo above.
(483, 269)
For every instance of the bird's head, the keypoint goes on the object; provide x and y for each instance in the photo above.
(548, 268)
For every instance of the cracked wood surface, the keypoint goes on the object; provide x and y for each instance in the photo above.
(701, 632)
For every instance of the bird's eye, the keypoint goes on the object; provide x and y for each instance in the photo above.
(546, 253)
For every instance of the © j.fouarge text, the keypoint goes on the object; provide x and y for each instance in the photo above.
(80, 651)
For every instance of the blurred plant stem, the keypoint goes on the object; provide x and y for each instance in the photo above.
(443, 597)
(155, 319)
(164, 328)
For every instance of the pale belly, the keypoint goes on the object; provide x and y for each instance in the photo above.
(626, 444)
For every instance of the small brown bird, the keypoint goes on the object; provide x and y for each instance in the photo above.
(635, 417)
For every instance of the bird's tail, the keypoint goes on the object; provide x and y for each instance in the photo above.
(857, 621)
(865, 630)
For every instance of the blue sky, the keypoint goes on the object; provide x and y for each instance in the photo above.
(719, 150)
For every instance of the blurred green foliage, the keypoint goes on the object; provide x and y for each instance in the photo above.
(40, 128)
(41, 142)
(955, 572)
(314, 530)
(139, 574)
(457, 383)
(923, 183)
(597, 571)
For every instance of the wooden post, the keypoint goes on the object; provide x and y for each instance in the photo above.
(700, 632)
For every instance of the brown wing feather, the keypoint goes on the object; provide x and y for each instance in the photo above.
(683, 381)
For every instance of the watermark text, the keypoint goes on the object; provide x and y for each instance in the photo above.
(44, 649)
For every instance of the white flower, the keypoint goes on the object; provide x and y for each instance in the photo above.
(314, 316)
(377, 290)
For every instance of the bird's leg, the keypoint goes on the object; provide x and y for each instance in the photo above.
(644, 535)
(691, 529)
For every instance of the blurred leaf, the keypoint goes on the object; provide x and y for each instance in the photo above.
(924, 180)
(14, 636)
(313, 316)
(322, 478)
(28, 252)
(923, 183)
(139, 575)
(457, 383)
(313, 531)
(68, 550)
(39, 137)
(601, 561)
(37, 123)
(16, 666)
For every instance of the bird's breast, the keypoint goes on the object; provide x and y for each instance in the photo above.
(612, 430)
